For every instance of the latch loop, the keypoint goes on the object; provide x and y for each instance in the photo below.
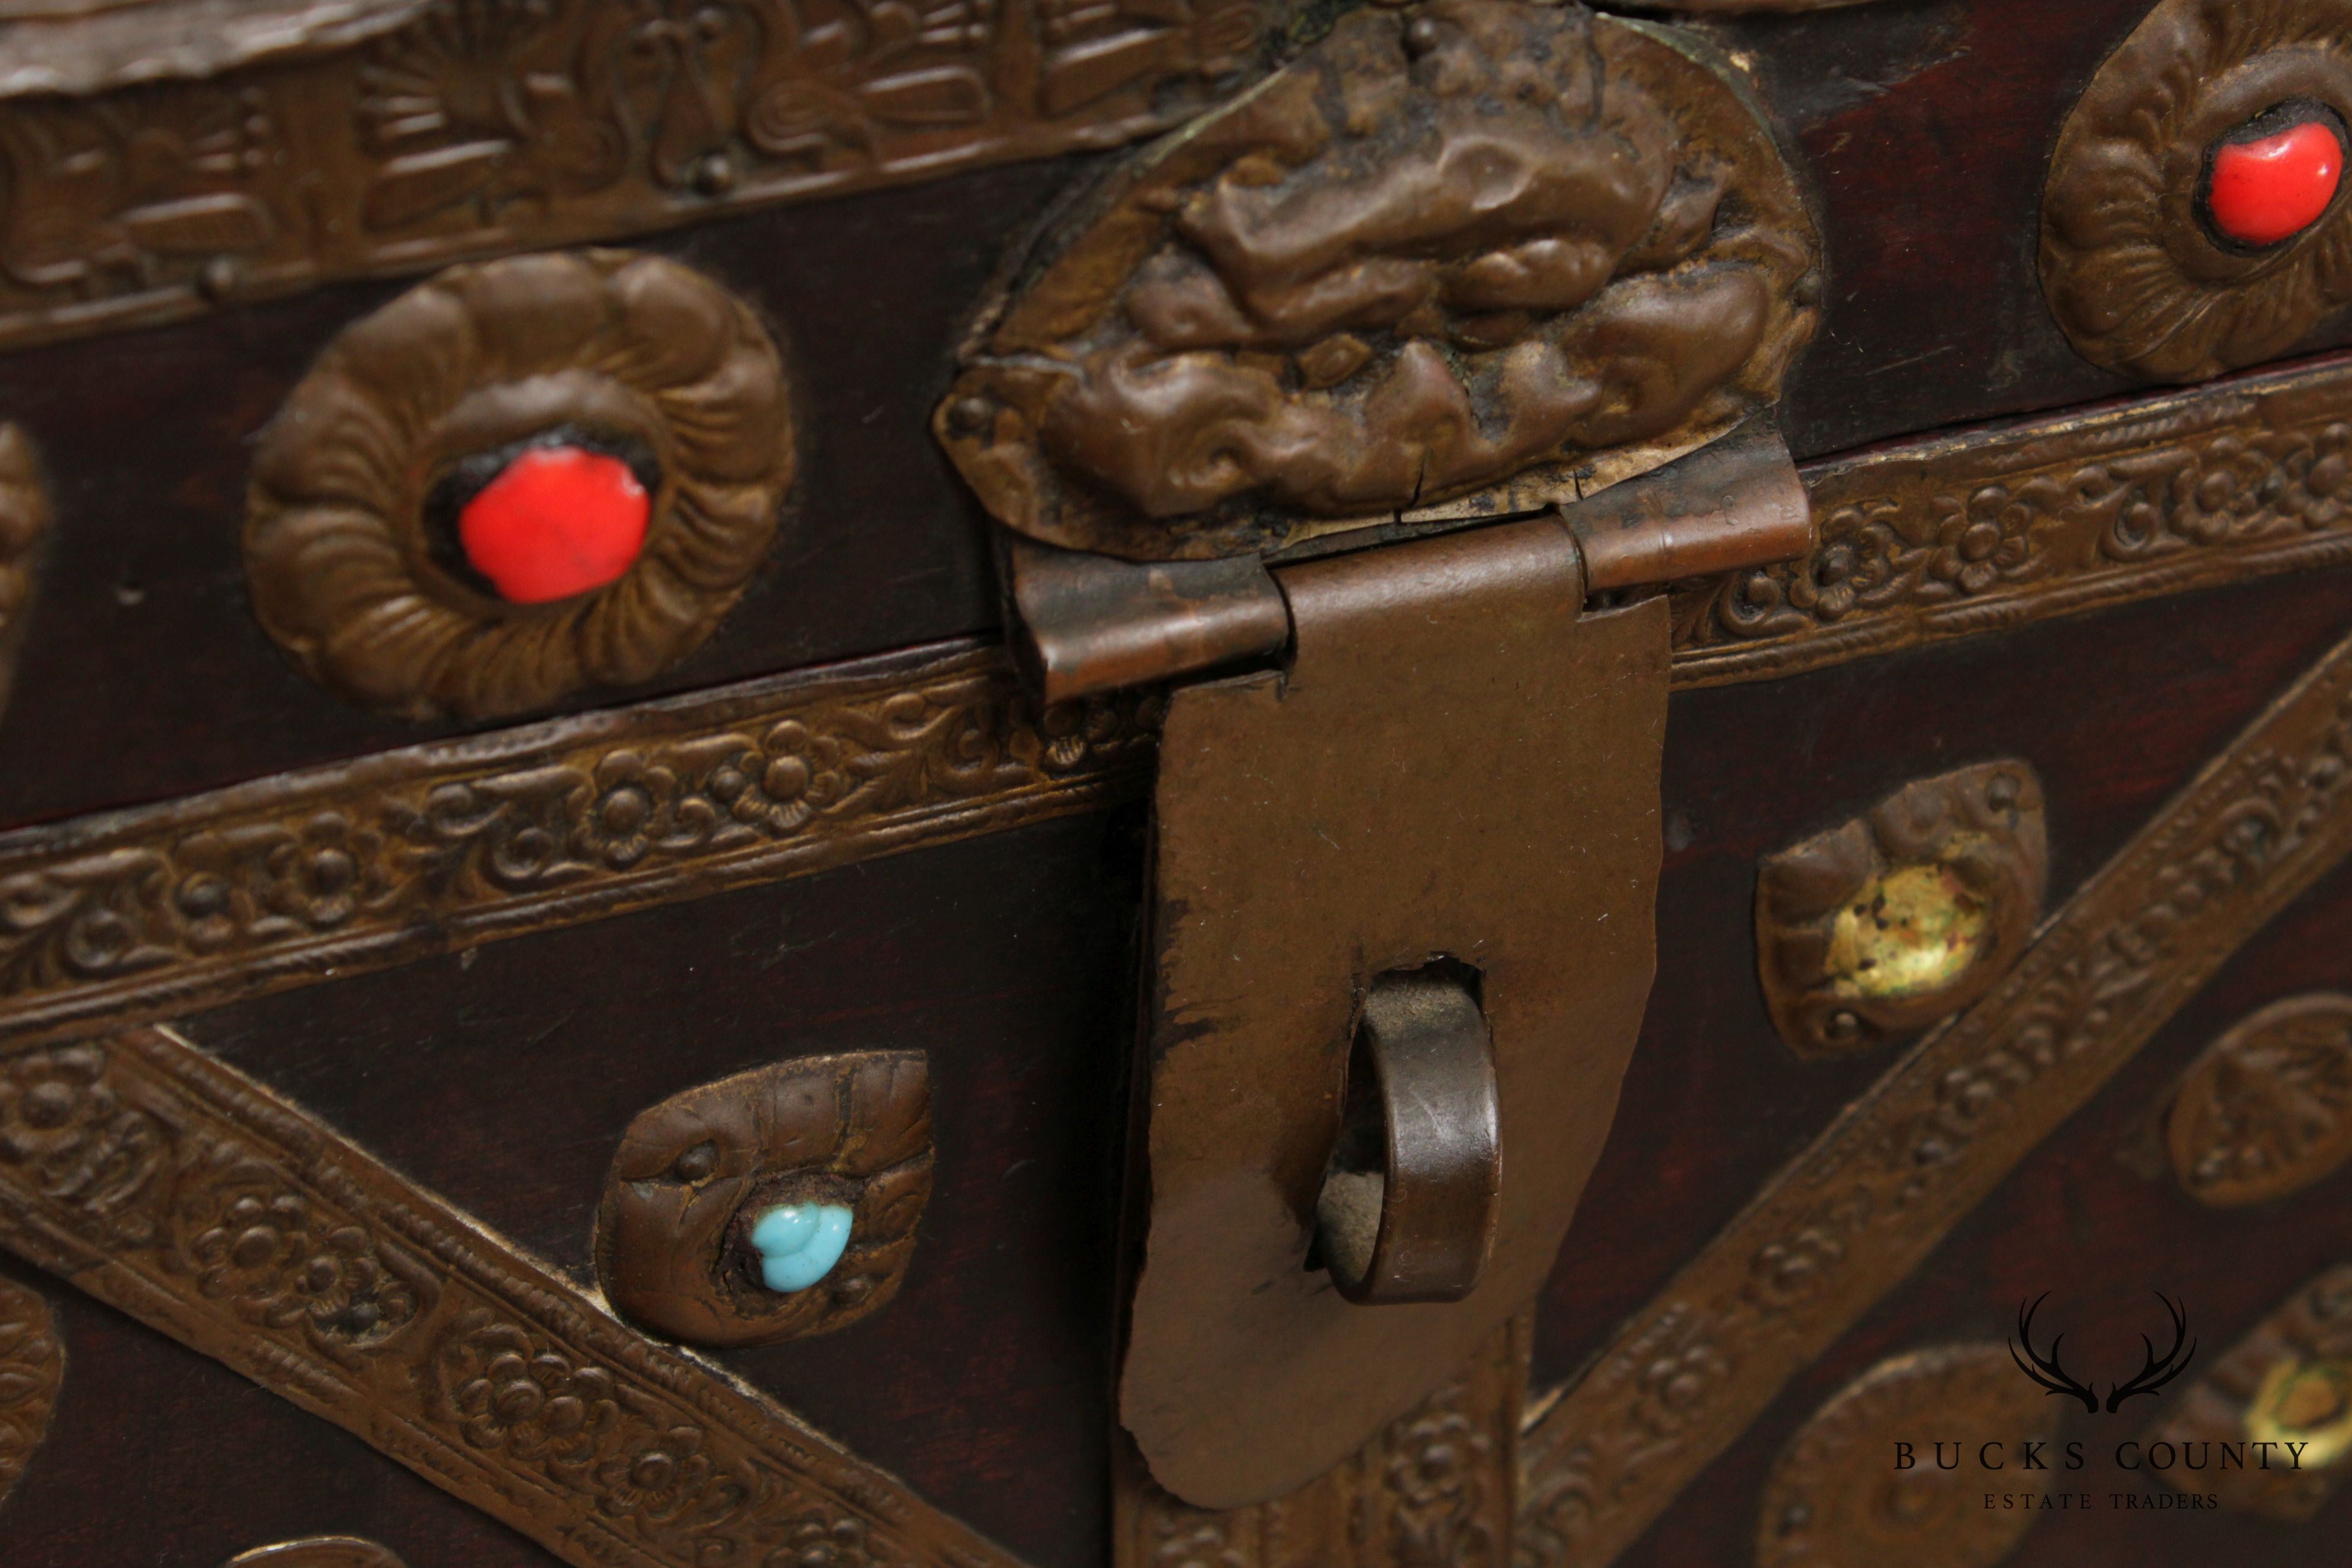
(1408, 1208)
(1459, 762)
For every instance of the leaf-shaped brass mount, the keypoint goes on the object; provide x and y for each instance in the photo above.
(1837, 1500)
(680, 1245)
(2288, 1381)
(2266, 1110)
(1903, 915)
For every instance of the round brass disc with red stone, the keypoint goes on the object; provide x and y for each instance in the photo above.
(2272, 188)
(557, 522)
(521, 479)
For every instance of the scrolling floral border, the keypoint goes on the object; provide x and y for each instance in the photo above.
(172, 1187)
(1878, 1192)
(1984, 530)
(429, 848)
(412, 852)
(486, 126)
(1436, 1489)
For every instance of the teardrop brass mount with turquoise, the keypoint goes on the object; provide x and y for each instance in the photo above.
(772, 1203)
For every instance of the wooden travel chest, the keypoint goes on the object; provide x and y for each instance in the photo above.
(1175, 784)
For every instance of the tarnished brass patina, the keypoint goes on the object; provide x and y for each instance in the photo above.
(386, 1311)
(32, 1372)
(2134, 268)
(1407, 1209)
(344, 564)
(1734, 504)
(2266, 1110)
(1859, 1210)
(1461, 259)
(1905, 914)
(1435, 1485)
(1086, 624)
(674, 1233)
(1461, 764)
(1833, 1502)
(2079, 512)
(332, 139)
(1083, 623)
(1364, 466)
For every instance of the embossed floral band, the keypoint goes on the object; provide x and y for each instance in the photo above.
(1876, 1192)
(427, 131)
(152, 910)
(1983, 530)
(142, 1167)
(145, 1170)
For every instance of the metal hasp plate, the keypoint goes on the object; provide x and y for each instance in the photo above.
(1471, 310)
(1460, 767)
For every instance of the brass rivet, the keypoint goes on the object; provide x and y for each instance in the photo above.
(715, 175)
(220, 278)
(969, 415)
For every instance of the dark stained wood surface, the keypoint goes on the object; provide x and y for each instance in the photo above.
(2116, 711)
(1923, 125)
(1926, 126)
(2079, 1220)
(503, 1077)
(505, 1081)
(505, 1084)
(160, 1457)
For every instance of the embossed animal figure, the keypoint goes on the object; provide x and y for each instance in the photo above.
(1445, 246)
